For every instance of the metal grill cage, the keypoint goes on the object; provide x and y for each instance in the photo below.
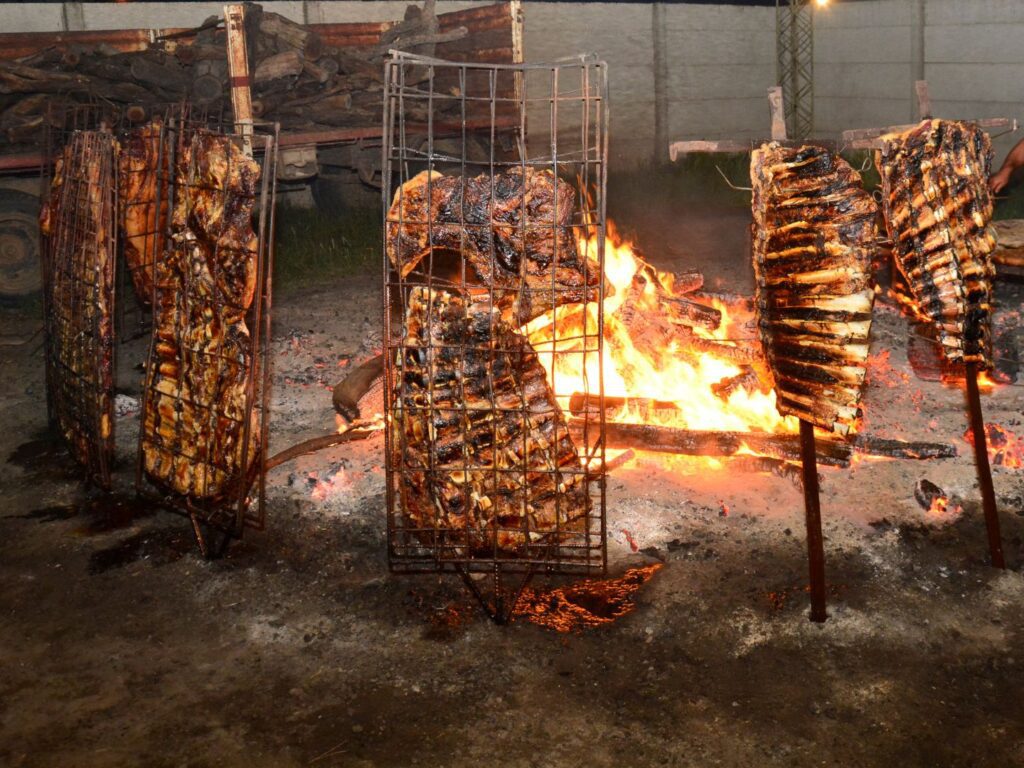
(494, 239)
(79, 232)
(207, 330)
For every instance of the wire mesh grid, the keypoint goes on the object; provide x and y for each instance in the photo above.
(206, 392)
(143, 204)
(493, 291)
(79, 252)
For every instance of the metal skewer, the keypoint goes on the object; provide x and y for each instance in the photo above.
(812, 517)
(988, 493)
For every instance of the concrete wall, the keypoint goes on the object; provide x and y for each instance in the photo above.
(868, 55)
(717, 60)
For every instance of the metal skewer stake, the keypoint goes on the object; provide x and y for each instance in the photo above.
(812, 517)
(988, 493)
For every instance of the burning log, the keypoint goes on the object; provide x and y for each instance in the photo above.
(786, 447)
(581, 404)
(354, 387)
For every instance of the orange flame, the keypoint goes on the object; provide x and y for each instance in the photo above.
(566, 341)
(1005, 449)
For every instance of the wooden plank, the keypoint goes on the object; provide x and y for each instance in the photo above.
(868, 138)
(238, 72)
(924, 100)
(778, 113)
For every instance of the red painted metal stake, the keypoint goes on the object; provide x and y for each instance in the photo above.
(812, 509)
(988, 493)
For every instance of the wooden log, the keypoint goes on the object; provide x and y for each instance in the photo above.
(278, 66)
(318, 73)
(831, 451)
(206, 88)
(581, 403)
(686, 312)
(687, 282)
(354, 387)
(167, 75)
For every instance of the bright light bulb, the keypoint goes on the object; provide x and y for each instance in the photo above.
(822, 3)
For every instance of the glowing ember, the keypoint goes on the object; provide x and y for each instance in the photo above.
(586, 604)
(942, 507)
(336, 481)
(675, 372)
(1005, 449)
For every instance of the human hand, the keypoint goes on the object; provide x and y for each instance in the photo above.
(997, 181)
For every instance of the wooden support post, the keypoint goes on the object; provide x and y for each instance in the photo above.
(812, 514)
(778, 113)
(924, 101)
(238, 72)
(988, 493)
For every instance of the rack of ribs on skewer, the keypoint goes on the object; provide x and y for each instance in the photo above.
(814, 228)
(514, 228)
(937, 210)
(482, 450)
(142, 200)
(200, 434)
(77, 220)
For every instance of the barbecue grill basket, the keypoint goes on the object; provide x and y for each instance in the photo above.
(467, 121)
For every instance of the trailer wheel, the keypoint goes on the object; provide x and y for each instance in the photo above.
(20, 270)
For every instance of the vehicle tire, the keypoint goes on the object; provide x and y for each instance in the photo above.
(20, 269)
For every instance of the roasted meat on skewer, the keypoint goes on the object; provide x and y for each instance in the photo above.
(143, 219)
(515, 229)
(814, 229)
(481, 445)
(937, 210)
(197, 414)
(77, 220)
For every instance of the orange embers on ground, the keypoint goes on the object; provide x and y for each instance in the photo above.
(679, 371)
(1005, 449)
(585, 604)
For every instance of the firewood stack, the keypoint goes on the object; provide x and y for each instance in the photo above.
(297, 79)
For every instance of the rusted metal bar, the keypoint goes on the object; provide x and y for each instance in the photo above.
(988, 493)
(317, 444)
(812, 514)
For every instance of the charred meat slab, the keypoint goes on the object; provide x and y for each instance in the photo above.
(142, 201)
(814, 228)
(200, 435)
(937, 211)
(515, 229)
(77, 222)
(482, 448)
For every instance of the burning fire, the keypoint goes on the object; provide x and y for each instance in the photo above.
(566, 343)
(1005, 449)
(941, 506)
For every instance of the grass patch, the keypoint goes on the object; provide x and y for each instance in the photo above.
(312, 247)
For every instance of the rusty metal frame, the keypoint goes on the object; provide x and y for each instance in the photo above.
(574, 98)
(79, 257)
(225, 517)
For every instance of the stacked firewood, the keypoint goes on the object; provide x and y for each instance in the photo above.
(297, 79)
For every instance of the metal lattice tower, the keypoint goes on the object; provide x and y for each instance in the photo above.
(794, 63)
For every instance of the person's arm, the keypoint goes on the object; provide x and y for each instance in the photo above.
(1013, 161)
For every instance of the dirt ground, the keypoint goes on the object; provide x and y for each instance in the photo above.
(120, 645)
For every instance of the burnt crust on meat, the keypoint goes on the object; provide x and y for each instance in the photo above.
(937, 210)
(197, 413)
(813, 242)
(480, 444)
(514, 228)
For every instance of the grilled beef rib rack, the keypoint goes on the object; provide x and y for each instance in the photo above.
(487, 462)
(814, 227)
(937, 210)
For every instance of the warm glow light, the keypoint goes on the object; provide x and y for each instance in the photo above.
(822, 3)
(674, 373)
